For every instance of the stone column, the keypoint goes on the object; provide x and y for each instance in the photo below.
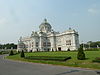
(53, 43)
(75, 41)
(41, 43)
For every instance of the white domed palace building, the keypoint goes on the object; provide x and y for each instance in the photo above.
(46, 39)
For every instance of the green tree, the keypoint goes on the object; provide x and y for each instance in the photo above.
(94, 44)
(11, 53)
(81, 54)
(22, 55)
(8, 46)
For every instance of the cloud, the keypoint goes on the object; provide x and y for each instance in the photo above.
(93, 11)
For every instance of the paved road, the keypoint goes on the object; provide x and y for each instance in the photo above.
(8, 67)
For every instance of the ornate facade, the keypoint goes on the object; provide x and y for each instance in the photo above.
(46, 39)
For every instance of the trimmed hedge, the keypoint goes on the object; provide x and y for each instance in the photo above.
(52, 58)
(4, 52)
(97, 60)
(93, 49)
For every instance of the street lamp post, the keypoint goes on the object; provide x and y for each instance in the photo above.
(89, 45)
(97, 46)
(83, 45)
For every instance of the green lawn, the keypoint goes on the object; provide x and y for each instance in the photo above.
(90, 55)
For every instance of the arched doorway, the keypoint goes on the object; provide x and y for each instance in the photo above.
(59, 48)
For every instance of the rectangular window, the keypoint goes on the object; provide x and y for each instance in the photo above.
(44, 44)
(48, 44)
(37, 44)
(68, 42)
(32, 44)
(26, 46)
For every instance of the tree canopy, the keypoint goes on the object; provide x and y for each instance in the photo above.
(8, 46)
(91, 44)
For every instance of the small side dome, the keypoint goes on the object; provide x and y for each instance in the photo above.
(34, 34)
(20, 42)
(45, 26)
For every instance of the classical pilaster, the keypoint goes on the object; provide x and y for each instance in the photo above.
(41, 43)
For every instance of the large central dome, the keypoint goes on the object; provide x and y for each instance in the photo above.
(45, 26)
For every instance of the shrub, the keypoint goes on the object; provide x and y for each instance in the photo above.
(22, 55)
(11, 53)
(97, 60)
(81, 54)
(0, 53)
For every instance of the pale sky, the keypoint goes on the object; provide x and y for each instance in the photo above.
(21, 17)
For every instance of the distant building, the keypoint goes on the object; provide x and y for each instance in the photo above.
(46, 39)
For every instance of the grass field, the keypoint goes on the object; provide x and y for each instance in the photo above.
(90, 55)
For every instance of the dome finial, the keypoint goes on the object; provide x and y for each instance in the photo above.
(70, 28)
(45, 20)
